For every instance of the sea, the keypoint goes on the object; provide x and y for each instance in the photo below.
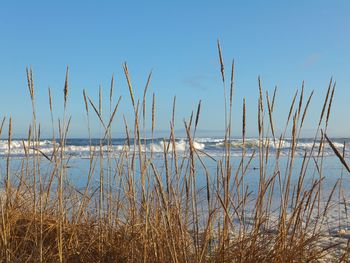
(212, 146)
(210, 151)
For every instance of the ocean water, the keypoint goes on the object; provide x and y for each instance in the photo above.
(80, 148)
(77, 152)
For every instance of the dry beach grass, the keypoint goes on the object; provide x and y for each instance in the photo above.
(138, 212)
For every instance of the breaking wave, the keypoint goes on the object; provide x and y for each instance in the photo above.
(212, 146)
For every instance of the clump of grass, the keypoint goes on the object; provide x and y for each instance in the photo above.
(138, 212)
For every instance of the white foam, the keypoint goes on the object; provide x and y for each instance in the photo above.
(181, 145)
(213, 146)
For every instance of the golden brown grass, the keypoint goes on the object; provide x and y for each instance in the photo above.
(140, 213)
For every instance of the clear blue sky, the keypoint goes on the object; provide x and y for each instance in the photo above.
(284, 42)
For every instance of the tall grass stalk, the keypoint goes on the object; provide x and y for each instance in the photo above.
(140, 203)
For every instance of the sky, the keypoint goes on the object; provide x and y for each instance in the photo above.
(283, 42)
